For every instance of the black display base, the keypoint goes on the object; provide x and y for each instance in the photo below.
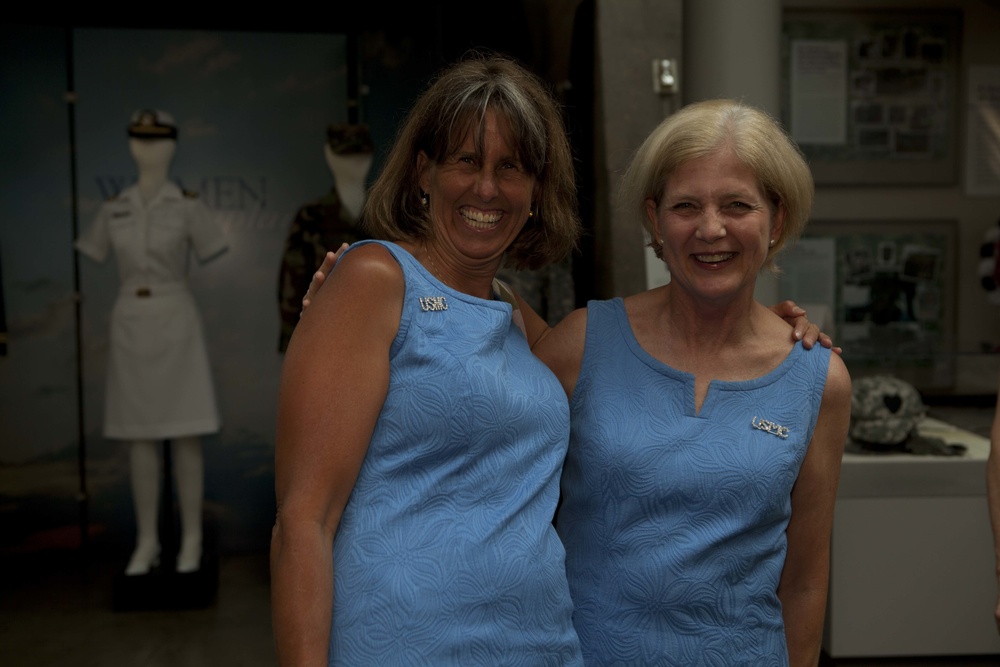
(163, 588)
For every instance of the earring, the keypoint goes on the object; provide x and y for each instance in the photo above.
(531, 213)
(773, 241)
(424, 199)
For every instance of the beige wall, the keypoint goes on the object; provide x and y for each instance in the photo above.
(631, 32)
(977, 320)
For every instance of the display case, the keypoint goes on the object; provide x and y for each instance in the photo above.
(912, 570)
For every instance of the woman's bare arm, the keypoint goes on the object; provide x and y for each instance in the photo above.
(805, 576)
(333, 383)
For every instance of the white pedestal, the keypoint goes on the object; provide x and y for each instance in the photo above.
(912, 570)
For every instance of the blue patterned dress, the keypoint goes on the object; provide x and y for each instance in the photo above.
(674, 523)
(446, 554)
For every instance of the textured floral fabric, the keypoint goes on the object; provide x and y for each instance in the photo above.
(446, 554)
(674, 523)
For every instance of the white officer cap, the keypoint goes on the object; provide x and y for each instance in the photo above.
(152, 124)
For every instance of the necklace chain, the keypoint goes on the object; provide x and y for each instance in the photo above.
(434, 268)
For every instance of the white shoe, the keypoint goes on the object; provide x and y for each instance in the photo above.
(189, 557)
(144, 558)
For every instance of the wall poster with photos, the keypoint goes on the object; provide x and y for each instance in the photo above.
(871, 97)
(891, 288)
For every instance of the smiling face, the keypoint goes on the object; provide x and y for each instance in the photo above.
(480, 197)
(715, 223)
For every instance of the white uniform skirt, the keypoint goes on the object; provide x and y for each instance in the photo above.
(159, 383)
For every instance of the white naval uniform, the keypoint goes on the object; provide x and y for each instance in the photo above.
(159, 384)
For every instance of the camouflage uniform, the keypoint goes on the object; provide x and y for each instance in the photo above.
(319, 226)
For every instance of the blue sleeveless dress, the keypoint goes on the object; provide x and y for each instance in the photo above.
(446, 553)
(674, 523)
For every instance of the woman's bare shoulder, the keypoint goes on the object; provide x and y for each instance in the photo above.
(561, 349)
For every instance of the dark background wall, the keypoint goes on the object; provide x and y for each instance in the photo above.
(69, 86)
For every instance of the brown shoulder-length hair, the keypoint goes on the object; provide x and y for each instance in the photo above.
(455, 103)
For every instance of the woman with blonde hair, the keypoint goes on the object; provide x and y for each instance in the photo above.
(705, 444)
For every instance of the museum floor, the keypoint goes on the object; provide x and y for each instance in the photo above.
(67, 618)
(55, 610)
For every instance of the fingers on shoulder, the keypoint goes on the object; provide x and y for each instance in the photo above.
(369, 270)
(362, 296)
(369, 257)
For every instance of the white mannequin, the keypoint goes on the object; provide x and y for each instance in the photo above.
(349, 172)
(152, 158)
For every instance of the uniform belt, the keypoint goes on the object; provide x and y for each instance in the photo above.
(158, 289)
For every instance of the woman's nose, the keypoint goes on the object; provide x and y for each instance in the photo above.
(711, 226)
(486, 185)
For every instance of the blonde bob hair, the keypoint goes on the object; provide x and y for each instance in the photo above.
(455, 104)
(702, 128)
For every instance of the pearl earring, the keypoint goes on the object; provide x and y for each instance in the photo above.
(773, 241)
(424, 199)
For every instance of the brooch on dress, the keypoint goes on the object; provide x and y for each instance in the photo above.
(769, 427)
(428, 303)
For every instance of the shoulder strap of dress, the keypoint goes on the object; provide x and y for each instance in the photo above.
(506, 294)
(503, 290)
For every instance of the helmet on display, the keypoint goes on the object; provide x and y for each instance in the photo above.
(885, 410)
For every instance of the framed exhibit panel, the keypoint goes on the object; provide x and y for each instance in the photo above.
(891, 288)
(871, 97)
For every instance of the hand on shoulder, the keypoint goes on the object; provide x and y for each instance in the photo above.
(366, 268)
(802, 328)
(325, 267)
(363, 295)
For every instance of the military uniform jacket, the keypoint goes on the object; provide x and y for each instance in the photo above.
(318, 226)
(159, 383)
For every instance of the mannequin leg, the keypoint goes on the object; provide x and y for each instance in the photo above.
(189, 469)
(145, 470)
